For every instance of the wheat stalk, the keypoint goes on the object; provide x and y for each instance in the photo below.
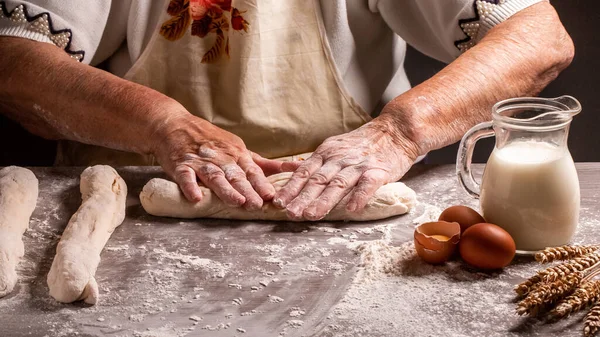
(548, 293)
(591, 324)
(583, 296)
(564, 253)
(554, 273)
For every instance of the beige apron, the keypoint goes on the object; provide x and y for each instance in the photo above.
(261, 69)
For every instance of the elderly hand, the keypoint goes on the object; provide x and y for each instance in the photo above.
(189, 147)
(358, 162)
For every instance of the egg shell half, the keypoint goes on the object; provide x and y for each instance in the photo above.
(431, 249)
(487, 246)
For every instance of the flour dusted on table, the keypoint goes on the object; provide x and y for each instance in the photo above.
(214, 268)
(433, 298)
(430, 213)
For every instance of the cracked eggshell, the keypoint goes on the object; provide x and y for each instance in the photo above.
(435, 242)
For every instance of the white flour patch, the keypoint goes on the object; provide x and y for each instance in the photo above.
(195, 318)
(116, 248)
(206, 152)
(365, 231)
(295, 323)
(337, 241)
(329, 229)
(271, 249)
(430, 213)
(168, 330)
(297, 312)
(220, 326)
(137, 317)
(337, 268)
(312, 268)
(249, 313)
(325, 252)
(302, 248)
(217, 269)
(275, 299)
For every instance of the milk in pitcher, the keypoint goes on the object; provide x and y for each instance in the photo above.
(531, 189)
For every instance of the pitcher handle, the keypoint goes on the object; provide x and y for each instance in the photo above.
(465, 155)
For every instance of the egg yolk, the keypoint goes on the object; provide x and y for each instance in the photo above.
(440, 237)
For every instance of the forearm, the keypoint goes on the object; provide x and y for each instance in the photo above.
(55, 97)
(519, 57)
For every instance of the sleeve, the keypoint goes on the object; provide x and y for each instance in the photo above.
(445, 29)
(75, 26)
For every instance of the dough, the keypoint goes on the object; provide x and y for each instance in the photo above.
(71, 276)
(163, 198)
(18, 197)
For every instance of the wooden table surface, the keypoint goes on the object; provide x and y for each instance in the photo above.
(169, 277)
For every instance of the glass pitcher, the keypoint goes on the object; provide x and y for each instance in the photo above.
(529, 186)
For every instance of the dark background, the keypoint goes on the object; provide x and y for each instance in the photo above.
(581, 80)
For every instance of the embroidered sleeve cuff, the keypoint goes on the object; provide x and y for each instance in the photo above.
(19, 23)
(488, 13)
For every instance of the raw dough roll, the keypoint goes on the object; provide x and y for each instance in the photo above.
(71, 276)
(163, 198)
(18, 197)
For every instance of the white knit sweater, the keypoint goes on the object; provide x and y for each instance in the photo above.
(367, 37)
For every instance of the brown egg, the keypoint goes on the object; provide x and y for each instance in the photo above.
(435, 242)
(487, 246)
(464, 215)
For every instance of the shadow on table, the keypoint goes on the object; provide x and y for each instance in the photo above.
(531, 325)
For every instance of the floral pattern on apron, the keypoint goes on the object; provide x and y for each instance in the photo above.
(206, 17)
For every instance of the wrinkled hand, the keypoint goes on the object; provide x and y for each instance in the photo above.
(190, 148)
(358, 162)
